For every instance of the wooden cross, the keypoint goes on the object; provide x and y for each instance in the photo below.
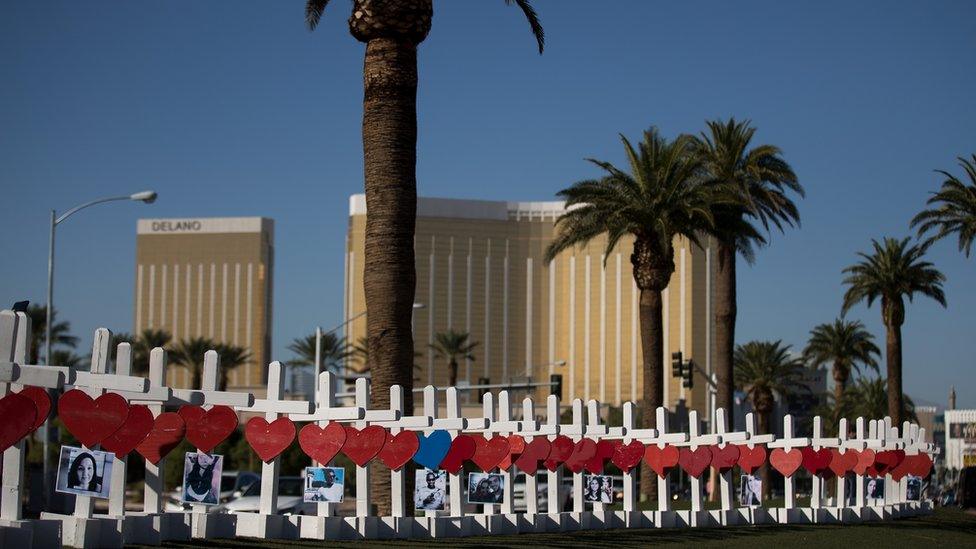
(696, 439)
(660, 436)
(575, 431)
(819, 441)
(257, 524)
(531, 429)
(847, 445)
(787, 443)
(594, 427)
(496, 422)
(15, 330)
(725, 478)
(326, 411)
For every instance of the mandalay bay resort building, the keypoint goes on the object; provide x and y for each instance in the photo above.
(210, 278)
(480, 270)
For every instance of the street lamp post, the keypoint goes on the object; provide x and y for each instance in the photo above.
(147, 197)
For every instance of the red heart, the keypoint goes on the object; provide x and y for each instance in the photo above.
(269, 440)
(627, 456)
(18, 413)
(399, 448)
(841, 463)
(865, 461)
(694, 462)
(166, 434)
(887, 460)
(205, 429)
(490, 452)
(786, 462)
(751, 459)
(517, 445)
(560, 449)
(661, 460)
(535, 451)
(906, 467)
(92, 421)
(604, 451)
(135, 428)
(462, 449)
(816, 461)
(42, 400)
(583, 451)
(923, 465)
(363, 445)
(725, 458)
(322, 443)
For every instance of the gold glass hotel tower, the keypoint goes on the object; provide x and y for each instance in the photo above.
(208, 277)
(480, 270)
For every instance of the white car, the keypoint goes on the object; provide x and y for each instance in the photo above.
(290, 499)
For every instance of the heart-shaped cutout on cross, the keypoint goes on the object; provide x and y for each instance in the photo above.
(694, 462)
(92, 421)
(842, 462)
(751, 459)
(462, 449)
(816, 461)
(205, 429)
(786, 462)
(490, 452)
(516, 445)
(362, 445)
(18, 412)
(269, 440)
(42, 401)
(725, 458)
(604, 451)
(167, 432)
(322, 443)
(136, 427)
(433, 448)
(535, 451)
(659, 459)
(583, 451)
(560, 448)
(627, 456)
(399, 448)
(865, 460)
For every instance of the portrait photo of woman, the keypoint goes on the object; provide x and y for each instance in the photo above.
(201, 478)
(84, 472)
(598, 489)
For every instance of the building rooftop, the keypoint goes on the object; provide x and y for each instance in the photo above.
(474, 209)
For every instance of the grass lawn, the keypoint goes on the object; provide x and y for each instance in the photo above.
(946, 528)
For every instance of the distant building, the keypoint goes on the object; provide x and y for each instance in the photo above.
(208, 277)
(960, 438)
(926, 420)
(480, 270)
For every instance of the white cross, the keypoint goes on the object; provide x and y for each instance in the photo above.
(847, 445)
(661, 437)
(819, 442)
(15, 330)
(695, 440)
(788, 442)
(725, 478)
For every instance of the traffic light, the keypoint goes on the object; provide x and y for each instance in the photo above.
(677, 364)
(556, 385)
(688, 379)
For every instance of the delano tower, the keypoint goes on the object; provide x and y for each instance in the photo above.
(480, 270)
(208, 277)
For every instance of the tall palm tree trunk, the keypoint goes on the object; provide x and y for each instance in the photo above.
(725, 312)
(389, 155)
(452, 372)
(652, 347)
(893, 359)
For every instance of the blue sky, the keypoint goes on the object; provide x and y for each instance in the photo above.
(233, 108)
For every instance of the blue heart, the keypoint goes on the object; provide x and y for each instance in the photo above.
(433, 448)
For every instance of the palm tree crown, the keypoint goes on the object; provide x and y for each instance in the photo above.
(954, 208)
(60, 332)
(764, 369)
(893, 272)
(332, 351)
(845, 345)
(453, 346)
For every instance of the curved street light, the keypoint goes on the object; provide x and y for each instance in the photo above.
(147, 197)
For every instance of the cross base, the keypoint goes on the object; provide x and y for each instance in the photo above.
(695, 519)
(87, 532)
(661, 519)
(212, 525)
(629, 519)
(30, 533)
(258, 525)
(396, 527)
(315, 527)
(153, 528)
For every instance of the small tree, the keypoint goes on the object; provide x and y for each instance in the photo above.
(453, 346)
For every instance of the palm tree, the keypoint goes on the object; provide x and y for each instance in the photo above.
(956, 210)
(392, 30)
(453, 346)
(868, 398)
(657, 201)
(894, 271)
(63, 357)
(142, 346)
(332, 351)
(231, 357)
(60, 332)
(755, 183)
(189, 353)
(845, 345)
(764, 369)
